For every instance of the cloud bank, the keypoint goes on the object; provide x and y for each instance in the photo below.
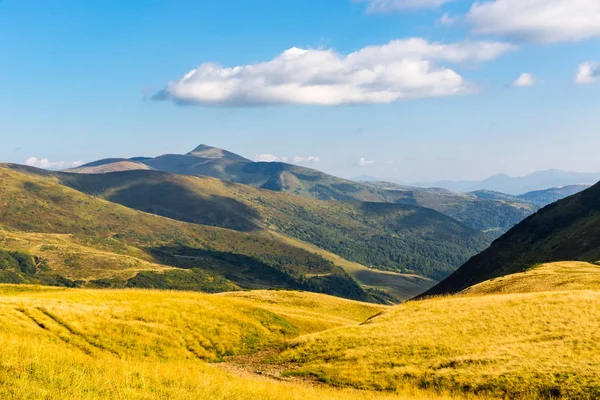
(545, 21)
(44, 163)
(401, 69)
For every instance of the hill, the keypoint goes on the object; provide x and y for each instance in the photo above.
(390, 237)
(132, 344)
(481, 214)
(566, 230)
(516, 346)
(558, 276)
(157, 345)
(88, 241)
(542, 198)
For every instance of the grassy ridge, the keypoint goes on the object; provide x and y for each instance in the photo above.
(526, 346)
(558, 276)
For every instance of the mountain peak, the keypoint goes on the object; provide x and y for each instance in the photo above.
(205, 151)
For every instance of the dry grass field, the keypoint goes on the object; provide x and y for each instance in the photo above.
(136, 344)
(131, 344)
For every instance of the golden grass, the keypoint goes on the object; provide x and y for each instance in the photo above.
(531, 346)
(130, 344)
(557, 276)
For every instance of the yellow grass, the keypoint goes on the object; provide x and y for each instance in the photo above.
(541, 345)
(558, 276)
(132, 344)
(126, 344)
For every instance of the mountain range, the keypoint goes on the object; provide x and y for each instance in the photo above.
(541, 180)
(212, 220)
(493, 216)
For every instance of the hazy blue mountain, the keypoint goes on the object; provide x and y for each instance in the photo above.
(503, 183)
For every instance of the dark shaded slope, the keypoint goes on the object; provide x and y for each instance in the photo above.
(568, 230)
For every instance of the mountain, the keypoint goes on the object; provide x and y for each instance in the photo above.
(542, 198)
(80, 240)
(568, 230)
(503, 183)
(487, 215)
(365, 178)
(389, 237)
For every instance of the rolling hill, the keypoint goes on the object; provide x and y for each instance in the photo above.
(87, 241)
(492, 216)
(141, 344)
(391, 237)
(568, 230)
(542, 198)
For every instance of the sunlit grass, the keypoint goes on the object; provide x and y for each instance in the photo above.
(558, 276)
(129, 344)
(539, 345)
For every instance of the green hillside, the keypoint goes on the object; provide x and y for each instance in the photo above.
(490, 215)
(93, 242)
(568, 230)
(542, 198)
(392, 237)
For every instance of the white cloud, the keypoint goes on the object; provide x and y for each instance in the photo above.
(363, 162)
(524, 80)
(266, 158)
(545, 21)
(401, 5)
(54, 165)
(401, 69)
(306, 160)
(588, 72)
(448, 20)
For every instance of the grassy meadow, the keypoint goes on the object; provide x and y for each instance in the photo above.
(139, 344)
(132, 344)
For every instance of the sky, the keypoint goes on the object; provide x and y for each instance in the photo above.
(410, 90)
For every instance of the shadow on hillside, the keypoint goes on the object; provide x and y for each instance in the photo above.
(246, 272)
(162, 194)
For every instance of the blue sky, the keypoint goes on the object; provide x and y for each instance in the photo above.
(432, 97)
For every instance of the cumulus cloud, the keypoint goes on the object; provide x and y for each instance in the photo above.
(53, 165)
(306, 160)
(266, 158)
(588, 72)
(524, 80)
(363, 162)
(377, 6)
(401, 69)
(545, 21)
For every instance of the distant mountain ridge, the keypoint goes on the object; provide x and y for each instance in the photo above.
(503, 183)
(487, 215)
